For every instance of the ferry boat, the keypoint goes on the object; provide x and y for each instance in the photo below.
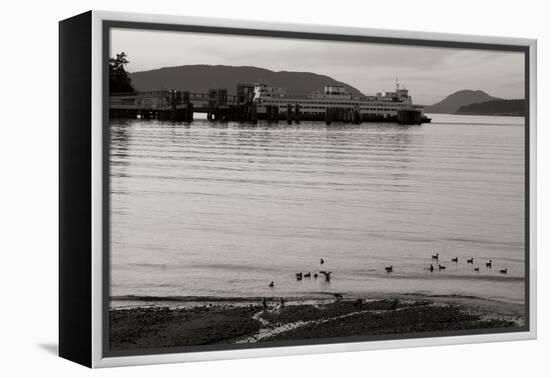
(335, 102)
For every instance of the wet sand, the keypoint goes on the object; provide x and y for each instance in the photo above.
(230, 322)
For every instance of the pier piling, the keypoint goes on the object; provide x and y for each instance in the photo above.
(289, 114)
(328, 115)
(356, 116)
(297, 113)
(253, 114)
(189, 112)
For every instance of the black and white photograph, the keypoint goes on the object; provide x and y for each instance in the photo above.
(244, 189)
(279, 190)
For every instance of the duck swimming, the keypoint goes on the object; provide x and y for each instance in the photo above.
(327, 275)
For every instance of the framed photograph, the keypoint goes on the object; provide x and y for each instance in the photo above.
(232, 189)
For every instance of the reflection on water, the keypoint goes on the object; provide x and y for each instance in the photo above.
(211, 209)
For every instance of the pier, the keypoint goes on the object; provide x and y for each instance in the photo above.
(218, 105)
(181, 106)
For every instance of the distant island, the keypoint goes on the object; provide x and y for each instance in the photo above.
(453, 102)
(477, 102)
(200, 78)
(495, 107)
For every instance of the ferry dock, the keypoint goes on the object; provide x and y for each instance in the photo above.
(255, 102)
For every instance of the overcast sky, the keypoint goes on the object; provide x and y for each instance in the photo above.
(429, 73)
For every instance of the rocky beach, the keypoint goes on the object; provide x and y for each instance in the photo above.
(165, 324)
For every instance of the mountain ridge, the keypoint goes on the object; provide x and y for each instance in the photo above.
(199, 78)
(454, 101)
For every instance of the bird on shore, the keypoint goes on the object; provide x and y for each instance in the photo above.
(299, 276)
(455, 259)
(264, 303)
(436, 256)
(470, 261)
(326, 274)
(282, 302)
(338, 296)
(307, 275)
(389, 269)
(271, 284)
(322, 261)
(489, 264)
(315, 275)
(441, 267)
(431, 268)
(476, 269)
(504, 271)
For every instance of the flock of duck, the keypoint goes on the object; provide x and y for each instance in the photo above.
(301, 275)
(389, 269)
(488, 264)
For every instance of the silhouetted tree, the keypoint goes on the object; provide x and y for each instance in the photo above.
(119, 81)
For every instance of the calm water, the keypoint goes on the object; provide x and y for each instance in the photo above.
(222, 209)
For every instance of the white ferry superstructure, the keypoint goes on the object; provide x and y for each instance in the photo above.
(382, 106)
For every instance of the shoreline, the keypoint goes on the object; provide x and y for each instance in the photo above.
(133, 301)
(204, 321)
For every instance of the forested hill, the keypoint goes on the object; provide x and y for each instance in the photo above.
(495, 107)
(200, 78)
(454, 101)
